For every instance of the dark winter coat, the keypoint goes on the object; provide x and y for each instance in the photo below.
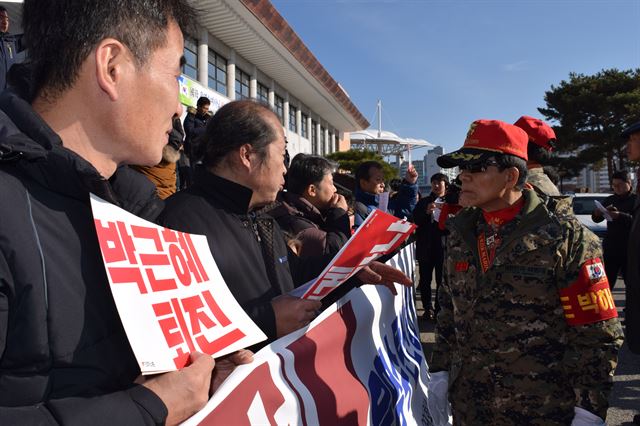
(10, 46)
(632, 283)
(194, 127)
(428, 235)
(65, 357)
(319, 233)
(219, 209)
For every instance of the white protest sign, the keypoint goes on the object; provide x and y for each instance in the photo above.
(169, 293)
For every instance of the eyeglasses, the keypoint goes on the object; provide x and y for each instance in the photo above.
(478, 167)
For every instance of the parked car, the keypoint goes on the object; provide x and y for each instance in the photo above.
(583, 206)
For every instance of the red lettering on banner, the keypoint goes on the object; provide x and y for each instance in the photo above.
(236, 409)
(170, 248)
(364, 247)
(588, 299)
(185, 321)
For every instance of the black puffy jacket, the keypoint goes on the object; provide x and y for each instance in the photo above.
(64, 356)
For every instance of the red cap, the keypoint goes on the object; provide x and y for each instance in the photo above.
(486, 138)
(539, 132)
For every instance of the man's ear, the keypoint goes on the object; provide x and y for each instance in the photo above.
(511, 177)
(311, 190)
(246, 158)
(113, 59)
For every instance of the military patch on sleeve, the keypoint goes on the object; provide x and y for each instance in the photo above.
(462, 266)
(588, 299)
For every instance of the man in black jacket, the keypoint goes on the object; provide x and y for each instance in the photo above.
(632, 276)
(311, 210)
(10, 46)
(194, 124)
(429, 244)
(620, 207)
(65, 357)
(243, 171)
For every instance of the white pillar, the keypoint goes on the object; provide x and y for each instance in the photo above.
(203, 57)
(299, 119)
(272, 93)
(326, 141)
(285, 113)
(318, 131)
(253, 83)
(231, 75)
(309, 129)
(332, 142)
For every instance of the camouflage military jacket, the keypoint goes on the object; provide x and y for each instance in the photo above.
(508, 336)
(541, 181)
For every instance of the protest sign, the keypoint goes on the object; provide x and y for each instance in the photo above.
(379, 234)
(169, 293)
(360, 362)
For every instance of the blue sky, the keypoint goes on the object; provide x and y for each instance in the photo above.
(438, 65)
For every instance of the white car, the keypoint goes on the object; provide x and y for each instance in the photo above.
(583, 206)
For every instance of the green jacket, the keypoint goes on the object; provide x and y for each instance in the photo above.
(512, 357)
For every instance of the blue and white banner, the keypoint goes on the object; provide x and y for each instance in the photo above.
(360, 362)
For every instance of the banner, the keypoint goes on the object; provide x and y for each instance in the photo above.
(169, 292)
(191, 90)
(379, 234)
(360, 362)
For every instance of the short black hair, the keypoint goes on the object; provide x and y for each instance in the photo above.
(306, 170)
(506, 161)
(364, 171)
(622, 175)
(3, 9)
(437, 177)
(203, 100)
(235, 124)
(538, 154)
(60, 35)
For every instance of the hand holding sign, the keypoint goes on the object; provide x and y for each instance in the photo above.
(183, 392)
(293, 313)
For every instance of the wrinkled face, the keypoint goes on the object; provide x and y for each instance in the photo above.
(620, 187)
(267, 177)
(4, 21)
(324, 192)
(146, 130)
(633, 147)
(438, 187)
(483, 189)
(375, 183)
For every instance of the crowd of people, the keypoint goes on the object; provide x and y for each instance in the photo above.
(526, 329)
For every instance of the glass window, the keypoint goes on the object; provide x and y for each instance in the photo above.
(303, 126)
(242, 84)
(190, 67)
(278, 107)
(293, 124)
(217, 72)
(263, 94)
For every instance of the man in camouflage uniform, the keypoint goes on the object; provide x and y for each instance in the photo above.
(541, 142)
(527, 331)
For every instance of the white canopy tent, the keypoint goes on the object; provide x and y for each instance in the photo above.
(384, 142)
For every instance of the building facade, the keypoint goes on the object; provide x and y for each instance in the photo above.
(246, 49)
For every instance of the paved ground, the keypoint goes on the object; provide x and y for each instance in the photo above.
(625, 397)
